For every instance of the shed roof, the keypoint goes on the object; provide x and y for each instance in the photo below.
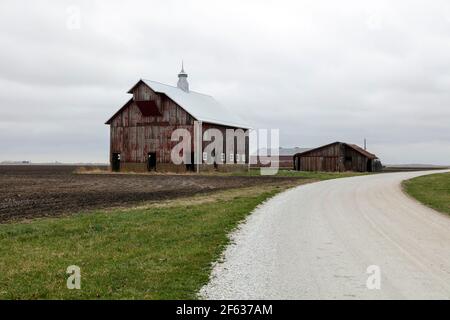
(291, 151)
(282, 151)
(362, 151)
(353, 146)
(201, 106)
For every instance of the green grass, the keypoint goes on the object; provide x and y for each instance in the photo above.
(161, 251)
(304, 174)
(153, 253)
(432, 190)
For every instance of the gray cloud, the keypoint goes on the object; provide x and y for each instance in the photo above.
(319, 70)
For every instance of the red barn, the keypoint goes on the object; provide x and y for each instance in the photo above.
(141, 131)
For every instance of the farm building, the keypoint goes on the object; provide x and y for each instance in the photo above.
(337, 156)
(264, 156)
(141, 131)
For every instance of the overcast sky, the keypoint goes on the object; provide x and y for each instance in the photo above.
(320, 71)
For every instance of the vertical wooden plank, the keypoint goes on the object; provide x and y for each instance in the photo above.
(140, 138)
(126, 148)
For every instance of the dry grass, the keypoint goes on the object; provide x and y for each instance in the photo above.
(91, 170)
(107, 170)
(224, 195)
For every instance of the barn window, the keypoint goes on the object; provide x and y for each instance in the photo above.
(231, 157)
(243, 158)
(348, 158)
(237, 157)
(222, 157)
(205, 156)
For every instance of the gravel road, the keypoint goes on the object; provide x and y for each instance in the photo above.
(316, 242)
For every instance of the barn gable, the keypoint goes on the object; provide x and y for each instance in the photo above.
(149, 107)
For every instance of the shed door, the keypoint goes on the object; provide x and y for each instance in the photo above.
(369, 165)
(115, 162)
(348, 163)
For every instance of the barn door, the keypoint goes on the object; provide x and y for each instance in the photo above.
(151, 161)
(115, 162)
(191, 166)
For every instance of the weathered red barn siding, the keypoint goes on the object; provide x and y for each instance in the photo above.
(228, 149)
(284, 162)
(334, 157)
(358, 162)
(323, 159)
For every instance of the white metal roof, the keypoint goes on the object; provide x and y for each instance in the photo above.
(201, 106)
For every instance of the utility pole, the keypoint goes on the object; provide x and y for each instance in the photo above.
(365, 144)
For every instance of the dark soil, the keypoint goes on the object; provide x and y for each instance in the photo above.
(30, 191)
